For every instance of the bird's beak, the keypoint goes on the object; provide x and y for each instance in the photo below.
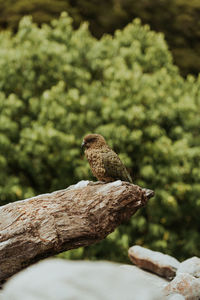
(83, 144)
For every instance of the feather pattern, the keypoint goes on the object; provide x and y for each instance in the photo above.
(104, 162)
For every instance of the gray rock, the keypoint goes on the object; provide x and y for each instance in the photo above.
(66, 280)
(175, 297)
(190, 266)
(156, 282)
(184, 284)
(156, 262)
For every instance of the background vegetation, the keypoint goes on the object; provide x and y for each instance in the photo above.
(57, 84)
(178, 19)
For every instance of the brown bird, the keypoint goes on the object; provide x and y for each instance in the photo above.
(104, 162)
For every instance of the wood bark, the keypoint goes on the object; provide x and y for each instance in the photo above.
(78, 216)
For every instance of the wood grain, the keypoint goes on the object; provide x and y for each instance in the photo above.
(78, 216)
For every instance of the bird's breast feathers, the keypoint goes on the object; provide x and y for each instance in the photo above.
(95, 159)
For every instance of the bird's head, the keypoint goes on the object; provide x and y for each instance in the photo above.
(93, 141)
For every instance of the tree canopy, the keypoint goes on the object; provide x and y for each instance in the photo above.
(177, 19)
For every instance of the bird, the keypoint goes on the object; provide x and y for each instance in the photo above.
(105, 164)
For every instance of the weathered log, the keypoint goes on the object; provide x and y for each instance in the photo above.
(80, 215)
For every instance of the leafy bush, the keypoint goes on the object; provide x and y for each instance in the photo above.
(57, 84)
(177, 19)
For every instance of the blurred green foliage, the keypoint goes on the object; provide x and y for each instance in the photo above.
(57, 84)
(177, 19)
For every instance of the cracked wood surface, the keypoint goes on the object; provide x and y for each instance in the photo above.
(78, 216)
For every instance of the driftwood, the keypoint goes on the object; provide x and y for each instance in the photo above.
(80, 215)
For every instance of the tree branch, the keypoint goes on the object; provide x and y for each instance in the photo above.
(78, 216)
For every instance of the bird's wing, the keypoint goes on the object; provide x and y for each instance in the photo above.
(114, 167)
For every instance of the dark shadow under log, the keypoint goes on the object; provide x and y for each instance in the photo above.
(78, 216)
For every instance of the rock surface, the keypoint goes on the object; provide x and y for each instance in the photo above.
(190, 266)
(65, 280)
(147, 278)
(156, 262)
(184, 284)
(175, 297)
